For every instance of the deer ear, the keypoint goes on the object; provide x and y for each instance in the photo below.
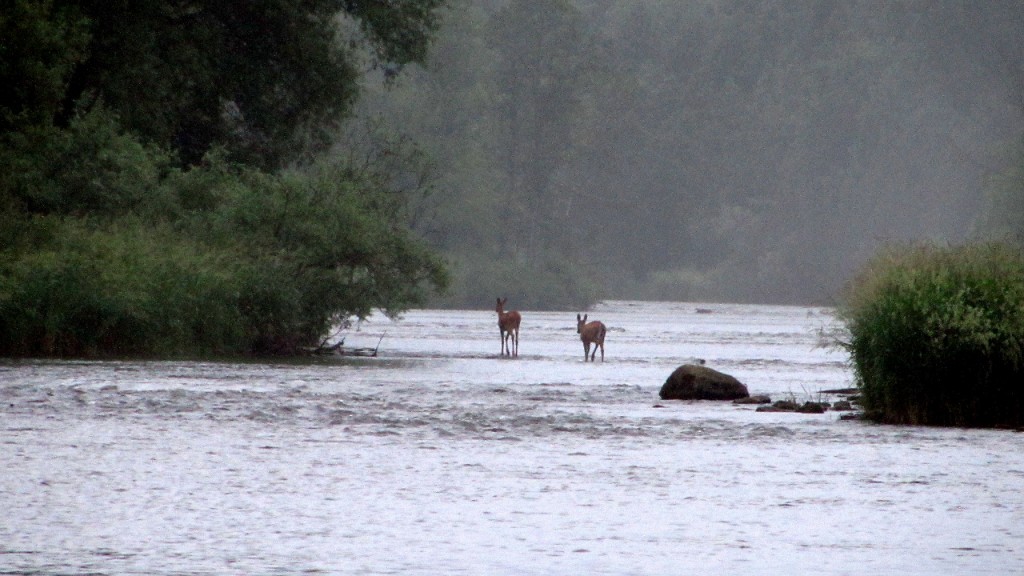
(584, 317)
(577, 317)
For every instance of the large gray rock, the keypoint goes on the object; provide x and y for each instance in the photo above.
(693, 382)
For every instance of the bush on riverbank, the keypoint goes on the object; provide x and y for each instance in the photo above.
(176, 182)
(116, 252)
(937, 335)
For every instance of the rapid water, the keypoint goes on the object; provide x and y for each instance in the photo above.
(440, 457)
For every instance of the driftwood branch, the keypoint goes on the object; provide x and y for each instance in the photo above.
(378, 343)
(339, 349)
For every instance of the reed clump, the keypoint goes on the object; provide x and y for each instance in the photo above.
(936, 335)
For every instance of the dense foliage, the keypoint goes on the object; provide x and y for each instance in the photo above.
(170, 185)
(937, 335)
(269, 81)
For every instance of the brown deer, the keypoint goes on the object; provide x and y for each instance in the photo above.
(508, 324)
(591, 333)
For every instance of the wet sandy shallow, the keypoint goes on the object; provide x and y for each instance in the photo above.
(440, 457)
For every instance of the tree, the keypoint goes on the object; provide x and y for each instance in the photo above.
(167, 189)
(540, 49)
(40, 45)
(736, 149)
(268, 80)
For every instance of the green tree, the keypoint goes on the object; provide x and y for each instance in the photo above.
(320, 244)
(269, 80)
(167, 189)
(40, 45)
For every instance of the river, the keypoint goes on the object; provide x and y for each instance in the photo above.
(441, 457)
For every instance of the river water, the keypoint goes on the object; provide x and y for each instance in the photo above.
(440, 457)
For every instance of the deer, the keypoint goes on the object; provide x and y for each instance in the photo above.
(591, 333)
(508, 324)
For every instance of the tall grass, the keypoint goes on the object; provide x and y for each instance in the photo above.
(124, 290)
(936, 335)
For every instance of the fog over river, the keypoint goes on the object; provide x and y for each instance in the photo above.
(440, 457)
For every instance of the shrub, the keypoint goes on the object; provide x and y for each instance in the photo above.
(91, 167)
(120, 290)
(105, 249)
(936, 335)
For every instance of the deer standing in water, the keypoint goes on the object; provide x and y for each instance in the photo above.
(508, 324)
(591, 333)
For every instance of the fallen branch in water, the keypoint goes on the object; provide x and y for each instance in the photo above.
(378, 343)
(338, 349)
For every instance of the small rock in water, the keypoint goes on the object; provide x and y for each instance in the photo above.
(813, 408)
(780, 406)
(756, 399)
(791, 406)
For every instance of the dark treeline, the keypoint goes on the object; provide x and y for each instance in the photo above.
(734, 150)
(170, 180)
(239, 177)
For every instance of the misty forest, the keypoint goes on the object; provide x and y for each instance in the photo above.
(267, 171)
(718, 150)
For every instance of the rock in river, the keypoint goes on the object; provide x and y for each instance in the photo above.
(693, 382)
